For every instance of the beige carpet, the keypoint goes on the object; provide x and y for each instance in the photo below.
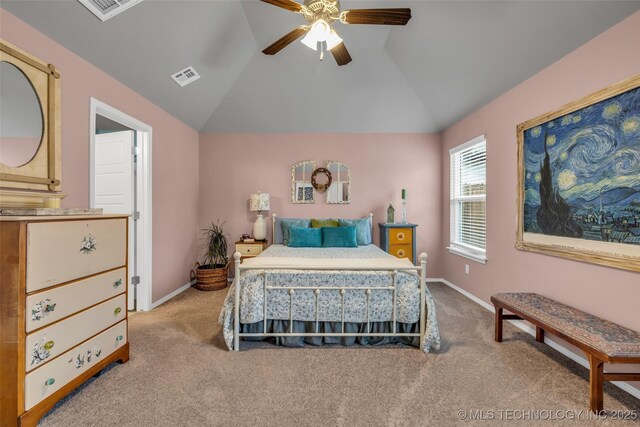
(181, 374)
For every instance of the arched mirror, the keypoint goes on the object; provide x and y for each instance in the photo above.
(21, 117)
(340, 190)
(301, 187)
(29, 131)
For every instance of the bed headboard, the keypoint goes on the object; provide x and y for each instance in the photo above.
(276, 231)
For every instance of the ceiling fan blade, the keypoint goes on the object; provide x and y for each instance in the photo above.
(285, 41)
(286, 4)
(397, 16)
(341, 54)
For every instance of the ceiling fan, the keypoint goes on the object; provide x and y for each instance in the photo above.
(320, 15)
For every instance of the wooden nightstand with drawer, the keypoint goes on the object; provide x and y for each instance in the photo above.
(250, 250)
(399, 240)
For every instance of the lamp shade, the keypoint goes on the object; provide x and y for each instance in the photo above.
(333, 40)
(259, 202)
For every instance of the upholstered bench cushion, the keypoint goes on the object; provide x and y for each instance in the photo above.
(607, 337)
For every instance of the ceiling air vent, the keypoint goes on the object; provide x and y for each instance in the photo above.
(105, 9)
(186, 76)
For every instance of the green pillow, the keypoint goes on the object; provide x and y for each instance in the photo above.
(305, 237)
(339, 237)
(319, 223)
(286, 224)
(363, 229)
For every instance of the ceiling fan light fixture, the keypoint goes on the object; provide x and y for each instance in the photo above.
(333, 40)
(320, 30)
(310, 41)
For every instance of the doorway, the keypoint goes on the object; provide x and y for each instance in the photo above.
(120, 183)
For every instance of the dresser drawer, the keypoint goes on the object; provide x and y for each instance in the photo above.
(51, 305)
(53, 340)
(62, 251)
(402, 251)
(400, 236)
(249, 250)
(51, 377)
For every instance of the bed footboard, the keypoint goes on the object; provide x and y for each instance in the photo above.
(317, 290)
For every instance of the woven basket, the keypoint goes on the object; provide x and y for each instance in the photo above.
(210, 279)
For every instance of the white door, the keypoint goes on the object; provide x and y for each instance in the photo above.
(114, 184)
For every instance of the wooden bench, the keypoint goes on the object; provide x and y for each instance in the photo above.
(603, 341)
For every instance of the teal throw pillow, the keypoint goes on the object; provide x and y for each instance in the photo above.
(305, 237)
(286, 224)
(363, 229)
(339, 237)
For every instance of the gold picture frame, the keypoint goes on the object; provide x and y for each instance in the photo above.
(539, 132)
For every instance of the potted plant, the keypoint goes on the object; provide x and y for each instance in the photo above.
(212, 275)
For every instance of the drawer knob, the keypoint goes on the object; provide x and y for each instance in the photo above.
(117, 283)
(117, 311)
(50, 381)
(119, 338)
(400, 252)
(400, 236)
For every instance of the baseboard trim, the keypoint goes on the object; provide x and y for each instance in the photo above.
(531, 331)
(172, 294)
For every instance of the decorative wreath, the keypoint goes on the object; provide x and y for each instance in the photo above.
(321, 188)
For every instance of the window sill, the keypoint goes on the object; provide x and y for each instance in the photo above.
(474, 256)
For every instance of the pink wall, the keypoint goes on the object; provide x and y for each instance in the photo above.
(174, 152)
(232, 166)
(606, 292)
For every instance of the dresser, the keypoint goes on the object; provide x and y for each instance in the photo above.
(399, 240)
(63, 308)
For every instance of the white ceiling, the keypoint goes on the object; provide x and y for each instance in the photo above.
(451, 58)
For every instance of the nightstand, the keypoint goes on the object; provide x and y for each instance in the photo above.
(250, 250)
(399, 240)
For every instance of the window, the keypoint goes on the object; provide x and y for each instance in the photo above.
(468, 195)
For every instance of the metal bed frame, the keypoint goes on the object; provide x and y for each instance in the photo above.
(239, 268)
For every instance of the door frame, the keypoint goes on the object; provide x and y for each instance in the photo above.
(144, 236)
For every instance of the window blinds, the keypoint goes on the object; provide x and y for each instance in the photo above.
(468, 195)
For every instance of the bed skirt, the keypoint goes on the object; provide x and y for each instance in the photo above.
(282, 326)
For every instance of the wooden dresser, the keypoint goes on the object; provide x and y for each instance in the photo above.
(399, 240)
(63, 308)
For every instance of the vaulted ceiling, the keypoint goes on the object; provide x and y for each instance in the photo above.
(451, 58)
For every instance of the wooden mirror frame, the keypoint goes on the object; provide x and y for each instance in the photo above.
(42, 172)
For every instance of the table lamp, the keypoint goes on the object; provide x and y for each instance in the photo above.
(259, 202)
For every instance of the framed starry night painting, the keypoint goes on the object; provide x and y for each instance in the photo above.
(579, 179)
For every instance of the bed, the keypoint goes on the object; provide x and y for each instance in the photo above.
(329, 296)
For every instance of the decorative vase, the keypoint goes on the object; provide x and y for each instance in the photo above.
(404, 206)
(260, 228)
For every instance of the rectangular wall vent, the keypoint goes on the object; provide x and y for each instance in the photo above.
(105, 9)
(186, 76)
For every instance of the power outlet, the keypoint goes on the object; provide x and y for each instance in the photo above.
(466, 268)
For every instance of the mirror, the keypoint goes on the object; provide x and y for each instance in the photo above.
(301, 188)
(340, 189)
(30, 130)
(21, 117)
